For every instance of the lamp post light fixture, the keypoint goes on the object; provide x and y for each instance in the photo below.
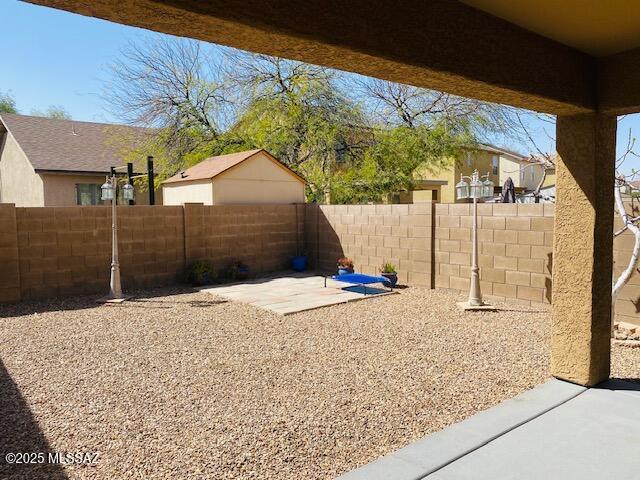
(110, 192)
(474, 187)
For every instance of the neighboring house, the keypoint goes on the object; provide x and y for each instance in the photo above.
(531, 170)
(254, 176)
(48, 162)
(440, 185)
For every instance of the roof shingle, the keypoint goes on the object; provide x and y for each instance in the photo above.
(69, 145)
(214, 166)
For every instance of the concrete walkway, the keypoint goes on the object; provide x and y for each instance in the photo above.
(293, 292)
(557, 430)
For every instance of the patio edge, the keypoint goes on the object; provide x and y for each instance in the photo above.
(433, 452)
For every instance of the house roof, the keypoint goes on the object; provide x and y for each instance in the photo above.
(214, 166)
(492, 148)
(68, 145)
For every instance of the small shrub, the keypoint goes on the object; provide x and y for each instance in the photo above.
(201, 273)
(388, 268)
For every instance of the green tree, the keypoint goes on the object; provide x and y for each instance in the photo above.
(351, 143)
(7, 103)
(389, 165)
(417, 130)
(297, 112)
(54, 111)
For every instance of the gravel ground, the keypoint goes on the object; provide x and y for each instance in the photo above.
(177, 384)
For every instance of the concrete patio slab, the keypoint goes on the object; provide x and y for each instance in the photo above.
(556, 430)
(292, 293)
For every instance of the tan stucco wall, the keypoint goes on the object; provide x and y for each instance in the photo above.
(445, 192)
(257, 180)
(551, 179)
(429, 193)
(583, 248)
(60, 189)
(188, 192)
(509, 167)
(524, 174)
(19, 183)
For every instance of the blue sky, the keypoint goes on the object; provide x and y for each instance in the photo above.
(51, 57)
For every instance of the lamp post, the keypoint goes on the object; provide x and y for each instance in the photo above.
(474, 187)
(110, 192)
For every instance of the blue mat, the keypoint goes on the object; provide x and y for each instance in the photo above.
(360, 279)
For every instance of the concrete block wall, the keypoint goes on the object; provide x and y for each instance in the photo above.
(9, 258)
(265, 237)
(371, 235)
(66, 250)
(515, 247)
(58, 251)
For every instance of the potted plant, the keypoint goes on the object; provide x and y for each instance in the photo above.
(238, 271)
(201, 273)
(345, 265)
(389, 272)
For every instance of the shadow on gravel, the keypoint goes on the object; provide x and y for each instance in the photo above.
(174, 303)
(156, 295)
(20, 433)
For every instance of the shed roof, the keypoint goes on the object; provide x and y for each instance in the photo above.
(69, 145)
(214, 166)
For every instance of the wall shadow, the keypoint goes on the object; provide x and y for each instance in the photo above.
(322, 242)
(627, 384)
(548, 284)
(19, 432)
(29, 307)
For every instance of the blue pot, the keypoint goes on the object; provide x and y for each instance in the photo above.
(299, 263)
(392, 279)
(344, 271)
(243, 273)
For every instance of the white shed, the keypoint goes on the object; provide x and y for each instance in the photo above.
(254, 176)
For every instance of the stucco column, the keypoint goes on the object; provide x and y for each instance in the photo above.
(583, 248)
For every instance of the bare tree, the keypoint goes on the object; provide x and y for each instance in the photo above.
(395, 104)
(623, 186)
(542, 161)
(170, 84)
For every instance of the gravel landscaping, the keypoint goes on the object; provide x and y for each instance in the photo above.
(181, 384)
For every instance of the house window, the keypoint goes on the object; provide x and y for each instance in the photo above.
(469, 160)
(88, 194)
(494, 164)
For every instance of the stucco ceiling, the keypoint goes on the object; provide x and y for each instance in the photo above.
(597, 27)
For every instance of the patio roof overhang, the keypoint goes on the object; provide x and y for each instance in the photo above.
(556, 57)
(451, 46)
(444, 45)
